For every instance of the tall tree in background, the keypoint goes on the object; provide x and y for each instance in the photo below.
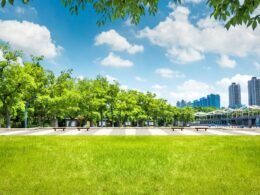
(100, 95)
(113, 91)
(13, 81)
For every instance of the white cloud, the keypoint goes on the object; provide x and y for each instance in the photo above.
(183, 56)
(29, 37)
(19, 10)
(169, 73)
(1, 56)
(257, 65)
(159, 87)
(137, 78)
(191, 90)
(19, 60)
(116, 61)
(80, 77)
(185, 42)
(128, 22)
(111, 79)
(226, 62)
(117, 42)
(25, 10)
(124, 87)
(193, 1)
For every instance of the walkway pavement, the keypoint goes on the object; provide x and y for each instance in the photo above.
(129, 132)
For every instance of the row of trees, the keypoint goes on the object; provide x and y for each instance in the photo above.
(49, 98)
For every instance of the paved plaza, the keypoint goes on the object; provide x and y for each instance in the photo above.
(127, 132)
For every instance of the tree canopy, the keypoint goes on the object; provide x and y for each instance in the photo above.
(232, 12)
(51, 98)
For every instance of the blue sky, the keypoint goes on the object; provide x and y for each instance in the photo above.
(179, 54)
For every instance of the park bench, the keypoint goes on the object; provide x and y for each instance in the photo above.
(181, 128)
(86, 128)
(205, 128)
(63, 128)
(56, 128)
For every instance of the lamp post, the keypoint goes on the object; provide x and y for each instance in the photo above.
(26, 111)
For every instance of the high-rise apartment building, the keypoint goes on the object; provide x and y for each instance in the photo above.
(213, 100)
(254, 92)
(234, 96)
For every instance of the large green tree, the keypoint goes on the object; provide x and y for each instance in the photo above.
(14, 80)
(233, 12)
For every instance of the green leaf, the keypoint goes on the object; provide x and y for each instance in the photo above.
(3, 3)
(11, 2)
(254, 25)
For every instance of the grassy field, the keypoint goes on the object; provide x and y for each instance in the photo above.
(130, 165)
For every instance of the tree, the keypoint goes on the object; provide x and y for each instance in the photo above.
(113, 91)
(232, 12)
(186, 115)
(13, 81)
(87, 103)
(100, 95)
(60, 99)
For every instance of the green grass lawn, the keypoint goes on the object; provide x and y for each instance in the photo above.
(130, 165)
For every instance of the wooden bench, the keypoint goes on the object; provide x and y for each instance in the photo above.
(86, 128)
(63, 128)
(56, 128)
(181, 128)
(205, 128)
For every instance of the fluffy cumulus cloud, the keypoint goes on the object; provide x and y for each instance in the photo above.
(29, 37)
(124, 87)
(192, 89)
(226, 62)
(193, 1)
(19, 10)
(159, 87)
(169, 73)
(256, 65)
(25, 10)
(1, 56)
(116, 61)
(111, 79)
(117, 42)
(186, 42)
(80, 77)
(137, 78)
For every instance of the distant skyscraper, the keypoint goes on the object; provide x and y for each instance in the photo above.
(254, 91)
(182, 103)
(213, 100)
(234, 96)
(203, 102)
(195, 104)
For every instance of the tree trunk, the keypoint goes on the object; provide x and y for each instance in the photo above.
(7, 118)
(55, 122)
(112, 113)
(101, 115)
